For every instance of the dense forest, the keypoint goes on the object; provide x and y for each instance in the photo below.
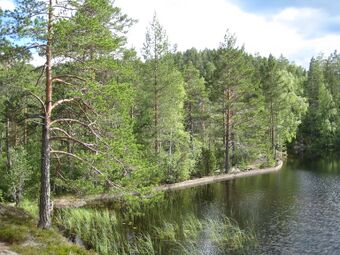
(98, 116)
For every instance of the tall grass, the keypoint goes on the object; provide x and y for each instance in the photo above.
(222, 233)
(30, 207)
(101, 230)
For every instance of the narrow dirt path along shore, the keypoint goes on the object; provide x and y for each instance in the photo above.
(218, 178)
(73, 202)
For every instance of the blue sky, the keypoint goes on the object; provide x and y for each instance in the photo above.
(330, 22)
(296, 29)
(331, 6)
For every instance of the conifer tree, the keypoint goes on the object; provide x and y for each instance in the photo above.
(234, 94)
(63, 31)
(161, 120)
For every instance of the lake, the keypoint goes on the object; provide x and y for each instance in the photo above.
(293, 211)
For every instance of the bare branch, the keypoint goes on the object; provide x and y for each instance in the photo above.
(88, 146)
(127, 169)
(35, 45)
(62, 81)
(62, 101)
(41, 75)
(34, 116)
(36, 122)
(68, 154)
(68, 76)
(65, 7)
(58, 171)
(38, 98)
(82, 160)
(71, 120)
(88, 126)
(88, 107)
(60, 130)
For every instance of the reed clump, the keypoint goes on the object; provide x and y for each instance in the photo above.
(101, 230)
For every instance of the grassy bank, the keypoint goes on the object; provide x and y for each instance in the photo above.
(20, 234)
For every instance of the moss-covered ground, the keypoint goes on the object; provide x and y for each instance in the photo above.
(19, 232)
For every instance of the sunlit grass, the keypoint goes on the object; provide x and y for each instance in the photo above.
(101, 231)
(30, 207)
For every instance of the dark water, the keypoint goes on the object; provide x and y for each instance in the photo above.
(293, 211)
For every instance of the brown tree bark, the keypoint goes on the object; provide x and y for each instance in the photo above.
(156, 110)
(45, 209)
(1, 141)
(227, 131)
(191, 125)
(203, 124)
(25, 123)
(272, 130)
(8, 153)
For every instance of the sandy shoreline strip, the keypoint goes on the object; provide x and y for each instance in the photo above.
(74, 202)
(218, 178)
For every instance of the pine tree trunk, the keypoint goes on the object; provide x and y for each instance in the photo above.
(227, 142)
(227, 132)
(272, 130)
(1, 140)
(157, 147)
(45, 188)
(233, 146)
(8, 153)
(25, 124)
(203, 124)
(16, 137)
(45, 209)
(191, 125)
(156, 110)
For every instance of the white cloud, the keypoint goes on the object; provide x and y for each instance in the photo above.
(37, 60)
(307, 21)
(202, 24)
(6, 5)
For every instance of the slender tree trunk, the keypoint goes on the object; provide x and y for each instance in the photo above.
(227, 132)
(156, 123)
(272, 130)
(170, 144)
(45, 209)
(156, 110)
(233, 146)
(191, 125)
(8, 153)
(227, 142)
(1, 140)
(25, 124)
(45, 188)
(70, 150)
(132, 112)
(16, 136)
(203, 124)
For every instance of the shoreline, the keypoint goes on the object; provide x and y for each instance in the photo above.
(74, 202)
(218, 178)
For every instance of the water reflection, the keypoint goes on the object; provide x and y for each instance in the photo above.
(293, 211)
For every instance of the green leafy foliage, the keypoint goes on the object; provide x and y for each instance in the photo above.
(319, 128)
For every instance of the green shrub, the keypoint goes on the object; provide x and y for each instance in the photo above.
(13, 233)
